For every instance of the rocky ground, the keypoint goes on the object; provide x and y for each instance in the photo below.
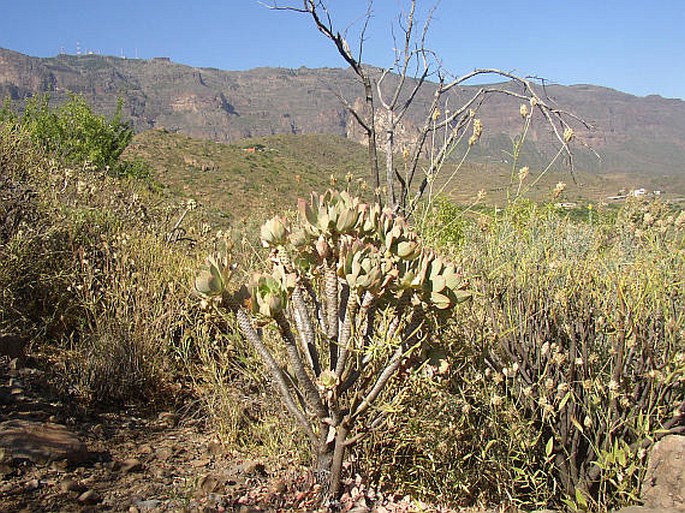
(56, 457)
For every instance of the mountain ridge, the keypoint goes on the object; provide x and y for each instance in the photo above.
(632, 134)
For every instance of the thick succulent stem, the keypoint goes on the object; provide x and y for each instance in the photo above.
(347, 342)
(306, 330)
(341, 435)
(309, 390)
(331, 300)
(346, 336)
(388, 372)
(279, 379)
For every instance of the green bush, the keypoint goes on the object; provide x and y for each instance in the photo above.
(18, 156)
(77, 136)
(569, 366)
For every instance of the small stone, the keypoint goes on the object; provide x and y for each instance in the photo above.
(69, 485)
(252, 468)
(89, 497)
(664, 483)
(59, 465)
(248, 509)
(210, 483)
(131, 465)
(164, 453)
(278, 486)
(168, 419)
(33, 484)
(201, 463)
(41, 442)
(12, 345)
(214, 448)
(148, 504)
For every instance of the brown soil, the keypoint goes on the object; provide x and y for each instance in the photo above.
(139, 460)
(146, 460)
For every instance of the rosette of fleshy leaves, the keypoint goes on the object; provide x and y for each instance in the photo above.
(275, 232)
(330, 214)
(268, 293)
(443, 284)
(212, 279)
(362, 267)
(369, 222)
(400, 241)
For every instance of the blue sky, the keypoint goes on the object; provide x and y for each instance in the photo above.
(633, 46)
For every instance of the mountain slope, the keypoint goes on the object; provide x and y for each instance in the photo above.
(632, 134)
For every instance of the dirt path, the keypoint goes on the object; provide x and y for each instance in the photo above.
(135, 461)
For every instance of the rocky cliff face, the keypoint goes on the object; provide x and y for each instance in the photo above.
(632, 133)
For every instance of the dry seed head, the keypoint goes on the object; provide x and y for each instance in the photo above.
(436, 114)
(477, 131)
(496, 400)
(481, 195)
(680, 220)
(559, 188)
(523, 173)
(477, 127)
(568, 134)
(523, 110)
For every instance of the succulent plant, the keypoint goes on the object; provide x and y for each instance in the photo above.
(274, 232)
(332, 213)
(443, 284)
(328, 379)
(360, 266)
(268, 296)
(213, 276)
(331, 273)
(369, 219)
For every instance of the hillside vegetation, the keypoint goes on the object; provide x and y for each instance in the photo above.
(226, 178)
(546, 389)
(633, 135)
(251, 178)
